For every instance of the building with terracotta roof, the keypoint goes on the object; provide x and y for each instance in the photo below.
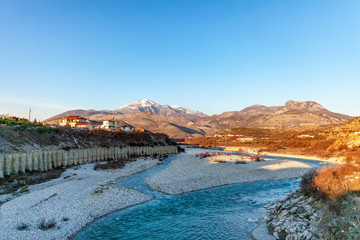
(71, 121)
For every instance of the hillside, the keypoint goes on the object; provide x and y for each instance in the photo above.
(43, 138)
(180, 123)
(336, 141)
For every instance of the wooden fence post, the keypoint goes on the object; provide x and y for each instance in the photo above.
(35, 161)
(98, 153)
(90, 155)
(122, 152)
(114, 153)
(44, 160)
(81, 156)
(40, 162)
(65, 161)
(105, 153)
(110, 150)
(118, 153)
(7, 164)
(111, 153)
(95, 154)
(54, 159)
(76, 157)
(2, 170)
(22, 160)
(60, 154)
(87, 156)
(70, 157)
(29, 162)
(102, 154)
(15, 164)
(49, 162)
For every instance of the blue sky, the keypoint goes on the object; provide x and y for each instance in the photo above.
(212, 56)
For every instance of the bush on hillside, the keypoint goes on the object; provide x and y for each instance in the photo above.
(335, 181)
(46, 129)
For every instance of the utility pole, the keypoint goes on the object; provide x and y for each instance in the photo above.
(29, 114)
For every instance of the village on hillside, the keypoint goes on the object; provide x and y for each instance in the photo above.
(81, 123)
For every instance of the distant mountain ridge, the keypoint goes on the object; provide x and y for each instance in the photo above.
(146, 105)
(179, 122)
(143, 105)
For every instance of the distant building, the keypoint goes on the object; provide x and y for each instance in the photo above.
(305, 136)
(139, 129)
(96, 125)
(110, 125)
(245, 139)
(127, 128)
(72, 121)
(84, 126)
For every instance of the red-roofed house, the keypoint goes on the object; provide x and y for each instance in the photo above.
(71, 121)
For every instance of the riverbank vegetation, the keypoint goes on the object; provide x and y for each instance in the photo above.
(335, 190)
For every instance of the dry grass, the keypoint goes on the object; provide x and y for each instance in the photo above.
(337, 180)
(307, 183)
(22, 226)
(46, 224)
(212, 154)
(21, 182)
(112, 164)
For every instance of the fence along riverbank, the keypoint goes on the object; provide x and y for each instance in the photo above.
(15, 163)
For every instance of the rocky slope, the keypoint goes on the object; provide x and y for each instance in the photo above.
(303, 216)
(15, 139)
(294, 217)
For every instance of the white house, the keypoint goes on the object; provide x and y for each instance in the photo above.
(84, 126)
(110, 125)
(127, 128)
(245, 139)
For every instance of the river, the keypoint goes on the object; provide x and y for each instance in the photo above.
(225, 212)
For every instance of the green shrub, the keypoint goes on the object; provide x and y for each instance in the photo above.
(22, 127)
(46, 129)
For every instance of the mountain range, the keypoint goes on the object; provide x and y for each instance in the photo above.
(179, 122)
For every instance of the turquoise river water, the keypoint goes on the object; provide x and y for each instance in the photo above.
(226, 212)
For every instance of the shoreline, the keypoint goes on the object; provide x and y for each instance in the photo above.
(79, 197)
(337, 160)
(97, 218)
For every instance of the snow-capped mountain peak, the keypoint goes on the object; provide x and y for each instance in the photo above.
(146, 105)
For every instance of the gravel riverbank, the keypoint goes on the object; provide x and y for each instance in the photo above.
(72, 201)
(188, 173)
